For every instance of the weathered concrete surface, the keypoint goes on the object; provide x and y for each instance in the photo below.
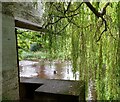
(10, 89)
(8, 62)
(52, 90)
(0, 52)
(24, 10)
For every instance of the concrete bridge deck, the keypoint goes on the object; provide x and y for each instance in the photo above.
(52, 90)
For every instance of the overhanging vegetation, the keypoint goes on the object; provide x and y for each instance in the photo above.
(91, 40)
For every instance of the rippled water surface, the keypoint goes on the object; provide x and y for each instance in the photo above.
(47, 69)
(52, 70)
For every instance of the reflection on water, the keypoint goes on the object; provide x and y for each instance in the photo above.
(47, 69)
(53, 70)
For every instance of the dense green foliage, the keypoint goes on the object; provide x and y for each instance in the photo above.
(75, 34)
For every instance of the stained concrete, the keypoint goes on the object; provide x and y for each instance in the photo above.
(8, 55)
(0, 52)
(49, 90)
(10, 84)
(24, 10)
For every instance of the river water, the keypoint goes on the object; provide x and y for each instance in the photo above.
(48, 70)
(53, 70)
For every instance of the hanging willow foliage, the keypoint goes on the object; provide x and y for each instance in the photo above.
(74, 30)
(118, 54)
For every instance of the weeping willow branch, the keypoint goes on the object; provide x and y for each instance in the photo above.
(62, 28)
(103, 30)
(67, 8)
(63, 13)
(92, 8)
(75, 14)
(111, 34)
(77, 7)
(78, 26)
(98, 14)
(57, 8)
(60, 18)
(65, 26)
(53, 22)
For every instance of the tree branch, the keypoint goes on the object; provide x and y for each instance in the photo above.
(111, 34)
(58, 8)
(98, 14)
(103, 30)
(92, 8)
(60, 17)
(67, 8)
(77, 8)
(75, 14)
(65, 26)
(53, 22)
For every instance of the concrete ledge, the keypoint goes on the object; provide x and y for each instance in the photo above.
(54, 90)
(25, 24)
